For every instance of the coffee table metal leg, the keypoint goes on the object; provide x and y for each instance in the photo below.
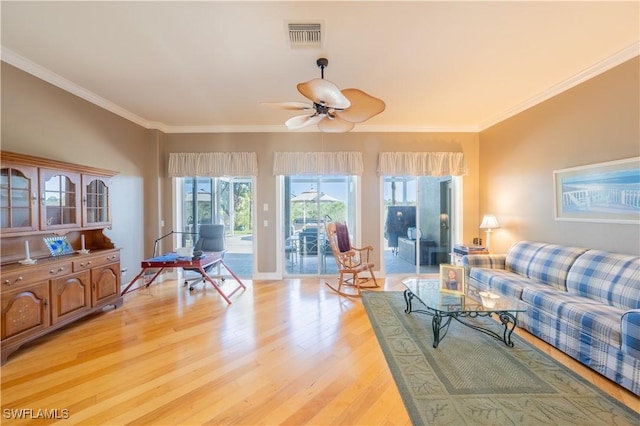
(435, 324)
(408, 296)
(438, 327)
(509, 323)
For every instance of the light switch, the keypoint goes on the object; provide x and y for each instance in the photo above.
(265, 207)
(266, 223)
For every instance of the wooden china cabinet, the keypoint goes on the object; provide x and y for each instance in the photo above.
(45, 198)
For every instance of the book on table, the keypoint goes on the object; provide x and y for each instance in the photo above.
(470, 249)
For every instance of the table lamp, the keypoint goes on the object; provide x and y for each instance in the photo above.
(489, 222)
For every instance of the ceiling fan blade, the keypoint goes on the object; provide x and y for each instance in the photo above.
(363, 106)
(335, 125)
(288, 105)
(324, 92)
(300, 121)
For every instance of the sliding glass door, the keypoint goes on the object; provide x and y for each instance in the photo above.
(309, 203)
(225, 200)
(417, 223)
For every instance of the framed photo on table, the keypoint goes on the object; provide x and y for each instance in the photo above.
(452, 278)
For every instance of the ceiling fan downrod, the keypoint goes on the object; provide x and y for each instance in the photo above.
(322, 64)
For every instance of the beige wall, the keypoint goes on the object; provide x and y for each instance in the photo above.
(510, 164)
(594, 122)
(42, 120)
(370, 144)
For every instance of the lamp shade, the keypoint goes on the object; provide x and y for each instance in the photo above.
(489, 221)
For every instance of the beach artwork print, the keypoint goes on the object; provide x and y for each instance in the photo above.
(604, 192)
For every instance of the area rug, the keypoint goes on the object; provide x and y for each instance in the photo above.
(473, 379)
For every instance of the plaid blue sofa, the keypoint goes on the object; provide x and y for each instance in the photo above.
(584, 302)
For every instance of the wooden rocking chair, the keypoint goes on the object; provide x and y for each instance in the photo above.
(351, 261)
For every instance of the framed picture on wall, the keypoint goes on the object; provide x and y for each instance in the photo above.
(602, 192)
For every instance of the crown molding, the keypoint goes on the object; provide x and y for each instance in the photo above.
(594, 70)
(314, 129)
(12, 58)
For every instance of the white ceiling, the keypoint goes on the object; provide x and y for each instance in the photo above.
(207, 66)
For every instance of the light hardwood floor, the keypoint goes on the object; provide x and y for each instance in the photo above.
(284, 352)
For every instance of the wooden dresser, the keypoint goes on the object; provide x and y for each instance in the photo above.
(45, 198)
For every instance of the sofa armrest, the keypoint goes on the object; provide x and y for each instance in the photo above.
(630, 333)
(490, 261)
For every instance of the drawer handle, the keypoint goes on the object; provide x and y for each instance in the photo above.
(85, 264)
(112, 257)
(60, 269)
(7, 282)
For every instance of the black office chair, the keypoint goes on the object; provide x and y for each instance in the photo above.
(211, 238)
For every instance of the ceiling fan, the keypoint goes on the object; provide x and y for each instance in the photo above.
(333, 110)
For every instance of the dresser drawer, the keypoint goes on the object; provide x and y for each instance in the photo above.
(101, 258)
(105, 258)
(87, 262)
(36, 273)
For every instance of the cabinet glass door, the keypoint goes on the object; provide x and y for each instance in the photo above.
(96, 201)
(60, 198)
(17, 199)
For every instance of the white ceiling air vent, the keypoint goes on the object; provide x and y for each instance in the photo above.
(305, 36)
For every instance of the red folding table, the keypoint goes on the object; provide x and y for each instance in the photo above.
(172, 260)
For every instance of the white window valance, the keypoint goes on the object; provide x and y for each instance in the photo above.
(317, 163)
(421, 164)
(183, 164)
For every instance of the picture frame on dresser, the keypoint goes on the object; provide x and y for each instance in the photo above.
(58, 245)
(602, 192)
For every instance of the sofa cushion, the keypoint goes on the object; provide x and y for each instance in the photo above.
(610, 278)
(501, 281)
(519, 256)
(593, 319)
(545, 263)
(551, 264)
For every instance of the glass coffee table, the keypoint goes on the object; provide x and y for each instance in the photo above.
(446, 305)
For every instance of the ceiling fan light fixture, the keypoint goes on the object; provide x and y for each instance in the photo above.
(335, 110)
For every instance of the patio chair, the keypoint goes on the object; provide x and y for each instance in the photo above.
(351, 261)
